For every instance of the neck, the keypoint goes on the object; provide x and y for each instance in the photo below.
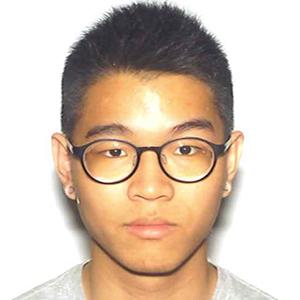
(103, 278)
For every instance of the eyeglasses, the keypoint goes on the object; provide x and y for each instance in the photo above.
(186, 160)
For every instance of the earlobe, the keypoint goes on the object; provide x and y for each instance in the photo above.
(227, 190)
(62, 163)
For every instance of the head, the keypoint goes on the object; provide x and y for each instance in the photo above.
(145, 39)
(147, 74)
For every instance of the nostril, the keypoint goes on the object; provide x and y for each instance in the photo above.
(152, 198)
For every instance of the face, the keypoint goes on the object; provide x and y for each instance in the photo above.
(149, 109)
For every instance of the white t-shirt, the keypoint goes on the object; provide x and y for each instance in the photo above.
(68, 286)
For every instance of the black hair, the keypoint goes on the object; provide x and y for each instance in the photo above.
(145, 37)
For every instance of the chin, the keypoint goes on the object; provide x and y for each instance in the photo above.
(158, 264)
(154, 259)
(148, 267)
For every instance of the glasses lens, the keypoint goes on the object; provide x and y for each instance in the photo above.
(110, 161)
(187, 159)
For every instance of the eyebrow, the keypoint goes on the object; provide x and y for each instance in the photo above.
(113, 128)
(117, 128)
(198, 123)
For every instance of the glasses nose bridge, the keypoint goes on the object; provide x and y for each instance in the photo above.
(156, 149)
(141, 150)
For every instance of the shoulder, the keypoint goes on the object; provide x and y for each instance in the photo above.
(65, 286)
(232, 287)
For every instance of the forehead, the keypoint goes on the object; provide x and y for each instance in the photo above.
(149, 105)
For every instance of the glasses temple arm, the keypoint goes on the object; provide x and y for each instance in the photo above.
(70, 147)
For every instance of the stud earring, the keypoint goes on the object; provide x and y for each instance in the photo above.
(227, 187)
(69, 190)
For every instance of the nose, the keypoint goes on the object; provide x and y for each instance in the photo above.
(149, 181)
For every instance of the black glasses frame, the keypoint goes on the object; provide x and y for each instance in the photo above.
(218, 149)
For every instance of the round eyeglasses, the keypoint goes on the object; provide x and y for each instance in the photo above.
(186, 160)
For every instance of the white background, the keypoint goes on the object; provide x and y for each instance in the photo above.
(257, 235)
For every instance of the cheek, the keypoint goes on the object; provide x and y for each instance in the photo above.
(103, 211)
(101, 206)
(200, 208)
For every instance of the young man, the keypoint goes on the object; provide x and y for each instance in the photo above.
(148, 152)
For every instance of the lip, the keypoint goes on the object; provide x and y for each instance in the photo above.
(150, 229)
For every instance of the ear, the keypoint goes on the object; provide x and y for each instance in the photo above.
(62, 161)
(233, 156)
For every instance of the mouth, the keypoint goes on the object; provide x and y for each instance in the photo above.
(150, 229)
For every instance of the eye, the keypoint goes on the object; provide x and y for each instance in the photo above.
(114, 153)
(187, 150)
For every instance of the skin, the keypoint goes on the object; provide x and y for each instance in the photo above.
(150, 108)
